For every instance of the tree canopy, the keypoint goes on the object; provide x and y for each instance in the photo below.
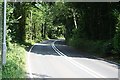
(36, 21)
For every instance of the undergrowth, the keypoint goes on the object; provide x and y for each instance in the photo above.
(15, 63)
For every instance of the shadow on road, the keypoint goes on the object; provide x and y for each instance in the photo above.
(71, 52)
(45, 48)
(44, 51)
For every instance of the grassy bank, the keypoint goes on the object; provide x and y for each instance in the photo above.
(15, 66)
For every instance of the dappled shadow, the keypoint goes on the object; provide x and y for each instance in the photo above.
(71, 52)
(43, 49)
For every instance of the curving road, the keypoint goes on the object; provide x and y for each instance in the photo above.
(54, 59)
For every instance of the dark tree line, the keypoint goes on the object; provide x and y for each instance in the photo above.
(95, 22)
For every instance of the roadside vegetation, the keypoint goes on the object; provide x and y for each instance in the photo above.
(89, 27)
(98, 29)
(16, 62)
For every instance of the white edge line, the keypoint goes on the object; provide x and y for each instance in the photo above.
(93, 73)
(28, 62)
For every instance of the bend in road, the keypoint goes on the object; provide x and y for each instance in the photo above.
(54, 59)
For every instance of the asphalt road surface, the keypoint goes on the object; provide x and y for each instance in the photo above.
(54, 59)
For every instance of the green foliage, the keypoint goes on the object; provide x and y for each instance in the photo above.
(94, 47)
(98, 29)
(32, 22)
(117, 37)
(15, 66)
(27, 22)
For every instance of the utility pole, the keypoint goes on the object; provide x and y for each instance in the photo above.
(4, 36)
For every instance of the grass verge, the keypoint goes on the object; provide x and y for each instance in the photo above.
(15, 63)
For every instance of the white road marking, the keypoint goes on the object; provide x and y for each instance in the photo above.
(28, 62)
(80, 66)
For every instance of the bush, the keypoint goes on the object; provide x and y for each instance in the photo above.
(117, 38)
(15, 63)
(87, 45)
(108, 48)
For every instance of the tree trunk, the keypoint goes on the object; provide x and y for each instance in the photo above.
(74, 18)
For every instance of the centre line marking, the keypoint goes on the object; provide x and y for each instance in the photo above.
(80, 66)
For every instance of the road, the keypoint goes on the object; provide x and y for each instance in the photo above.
(54, 59)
